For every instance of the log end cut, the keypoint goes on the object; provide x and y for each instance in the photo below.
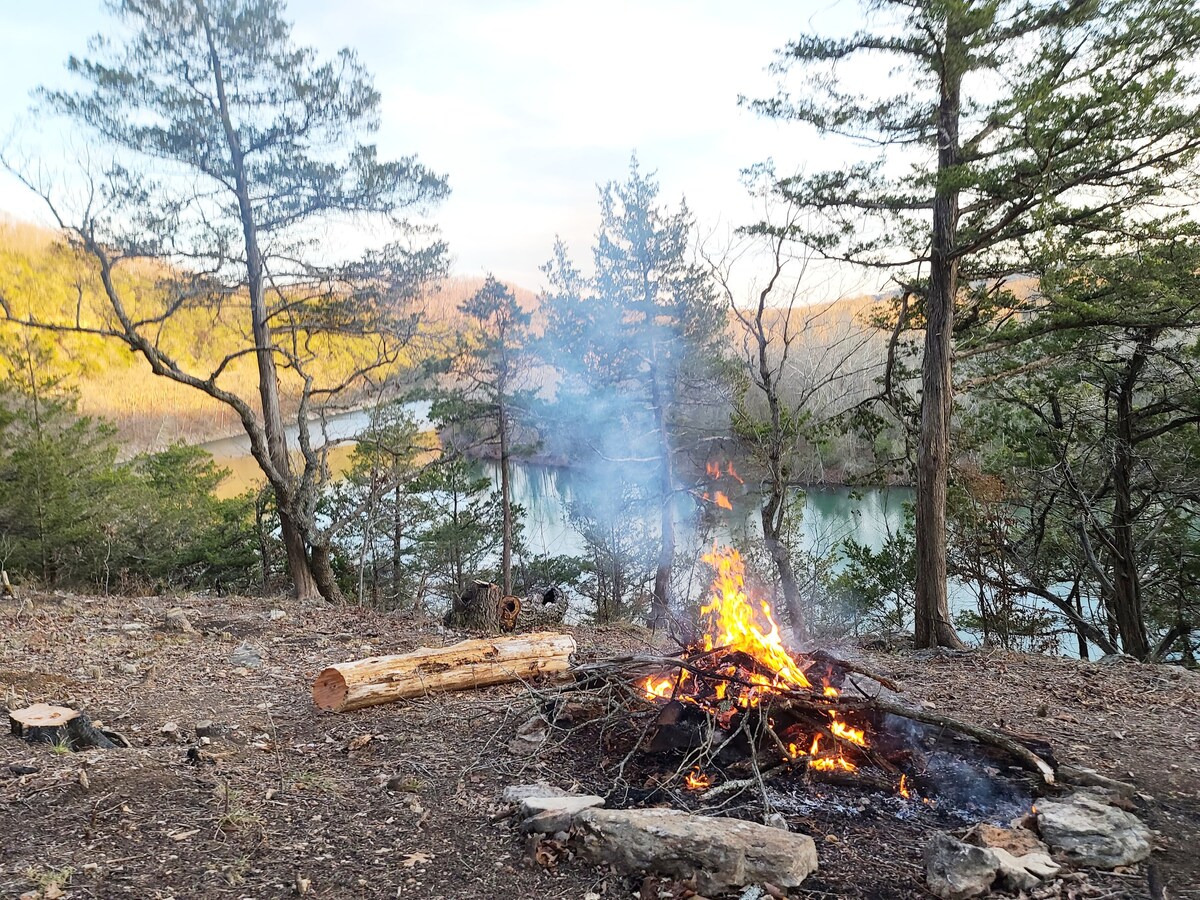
(330, 689)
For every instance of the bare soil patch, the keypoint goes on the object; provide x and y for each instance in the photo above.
(277, 794)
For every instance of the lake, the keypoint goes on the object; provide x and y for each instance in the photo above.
(830, 515)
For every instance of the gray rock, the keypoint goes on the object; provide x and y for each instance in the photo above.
(530, 737)
(275, 615)
(547, 815)
(245, 656)
(1089, 832)
(531, 806)
(720, 853)
(176, 620)
(515, 793)
(1023, 873)
(956, 871)
(208, 729)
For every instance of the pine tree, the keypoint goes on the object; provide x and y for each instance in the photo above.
(632, 336)
(233, 147)
(1014, 122)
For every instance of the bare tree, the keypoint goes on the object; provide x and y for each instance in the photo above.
(232, 149)
(800, 382)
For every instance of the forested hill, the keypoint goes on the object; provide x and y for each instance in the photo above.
(150, 413)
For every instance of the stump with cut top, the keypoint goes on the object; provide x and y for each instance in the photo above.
(58, 725)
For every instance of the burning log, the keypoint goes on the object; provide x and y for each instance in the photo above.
(468, 664)
(740, 693)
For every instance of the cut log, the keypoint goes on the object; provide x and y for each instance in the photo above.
(468, 664)
(59, 725)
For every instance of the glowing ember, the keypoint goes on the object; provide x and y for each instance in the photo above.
(696, 780)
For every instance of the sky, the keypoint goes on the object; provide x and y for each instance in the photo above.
(526, 105)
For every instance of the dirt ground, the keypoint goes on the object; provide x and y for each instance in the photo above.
(277, 799)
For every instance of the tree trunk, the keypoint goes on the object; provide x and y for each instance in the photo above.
(783, 565)
(306, 585)
(321, 570)
(932, 624)
(506, 540)
(1126, 577)
(661, 607)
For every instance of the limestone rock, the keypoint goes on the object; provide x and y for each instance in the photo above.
(720, 853)
(245, 657)
(1017, 841)
(1023, 873)
(530, 737)
(1089, 832)
(956, 871)
(547, 815)
(176, 619)
(515, 793)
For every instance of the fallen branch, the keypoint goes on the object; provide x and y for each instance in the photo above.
(1031, 760)
(468, 664)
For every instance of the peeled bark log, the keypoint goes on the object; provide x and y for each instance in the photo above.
(468, 664)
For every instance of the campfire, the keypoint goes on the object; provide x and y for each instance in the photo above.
(739, 678)
(736, 708)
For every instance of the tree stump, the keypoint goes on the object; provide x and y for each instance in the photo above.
(45, 724)
(6, 588)
(480, 608)
(543, 607)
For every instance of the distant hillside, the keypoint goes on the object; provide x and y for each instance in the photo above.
(37, 274)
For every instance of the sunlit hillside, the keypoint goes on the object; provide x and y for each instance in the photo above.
(39, 276)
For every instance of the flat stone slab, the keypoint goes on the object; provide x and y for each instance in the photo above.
(1089, 832)
(720, 853)
(515, 793)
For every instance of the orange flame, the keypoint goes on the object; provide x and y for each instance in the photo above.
(696, 780)
(845, 732)
(733, 623)
(723, 501)
(904, 787)
(831, 691)
(662, 688)
(732, 474)
(829, 763)
(714, 469)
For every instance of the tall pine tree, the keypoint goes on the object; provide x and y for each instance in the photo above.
(1001, 123)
